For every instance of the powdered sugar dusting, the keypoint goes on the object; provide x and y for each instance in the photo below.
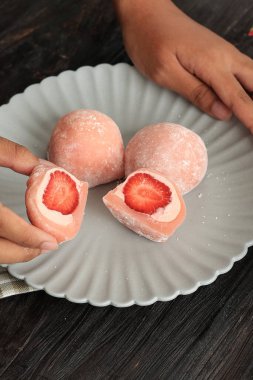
(171, 149)
(88, 144)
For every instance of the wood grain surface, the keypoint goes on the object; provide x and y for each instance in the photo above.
(207, 335)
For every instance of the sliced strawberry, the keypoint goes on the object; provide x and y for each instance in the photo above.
(146, 194)
(61, 193)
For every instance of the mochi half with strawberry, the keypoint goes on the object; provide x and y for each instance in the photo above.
(148, 203)
(55, 201)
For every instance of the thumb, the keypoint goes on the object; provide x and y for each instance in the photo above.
(16, 157)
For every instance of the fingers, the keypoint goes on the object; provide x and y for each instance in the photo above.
(16, 157)
(244, 73)
(195, 91)
(12, 253)
(226, 96)
(17, 230)
(19, 240)
(235, 98)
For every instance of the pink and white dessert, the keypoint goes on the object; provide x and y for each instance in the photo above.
(55, 201)
(88, 144)
(148, 203)
(171, 149)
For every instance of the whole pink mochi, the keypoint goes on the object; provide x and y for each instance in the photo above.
(171, 149)
(88, 144)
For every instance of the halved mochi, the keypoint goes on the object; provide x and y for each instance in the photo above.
(148, 203)
(88, 144)
(171, 149)
(55, 201)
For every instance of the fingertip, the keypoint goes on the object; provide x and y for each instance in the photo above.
(42, 161)
(220, 111)
(46, 163)
(48, 246)
(16, 157)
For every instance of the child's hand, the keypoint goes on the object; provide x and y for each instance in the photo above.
(19, 240)
(178, 53)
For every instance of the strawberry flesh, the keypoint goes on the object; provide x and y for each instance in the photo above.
(61, 193)
(145, 193)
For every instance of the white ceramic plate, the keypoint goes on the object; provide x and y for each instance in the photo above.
(107, 263)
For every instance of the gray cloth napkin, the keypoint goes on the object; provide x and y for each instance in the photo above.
(10, 285)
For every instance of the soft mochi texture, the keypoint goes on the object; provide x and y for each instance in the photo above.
(62, 227)
(173, 150)
(88, 144)
(157, 227)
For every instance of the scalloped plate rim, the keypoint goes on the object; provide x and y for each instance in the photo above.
(109, 302)
(148, 302)
(52, 77)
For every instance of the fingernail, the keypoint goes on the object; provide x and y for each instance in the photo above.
(45, 162)
(48, 246)
(220, 111)
(42, 161)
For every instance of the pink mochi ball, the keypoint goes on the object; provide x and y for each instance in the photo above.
(173, 150)
(88, 144)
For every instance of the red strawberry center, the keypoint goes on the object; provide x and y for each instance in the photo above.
(145, 193)
(61, 193)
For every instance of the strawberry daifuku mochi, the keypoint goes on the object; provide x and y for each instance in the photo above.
(55, 201)
(173, 150)
(148, 203)
(88, 144)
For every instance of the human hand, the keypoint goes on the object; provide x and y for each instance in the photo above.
(19, 240)
(180, 54)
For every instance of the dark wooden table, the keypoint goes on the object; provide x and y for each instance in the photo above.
(206, 335)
